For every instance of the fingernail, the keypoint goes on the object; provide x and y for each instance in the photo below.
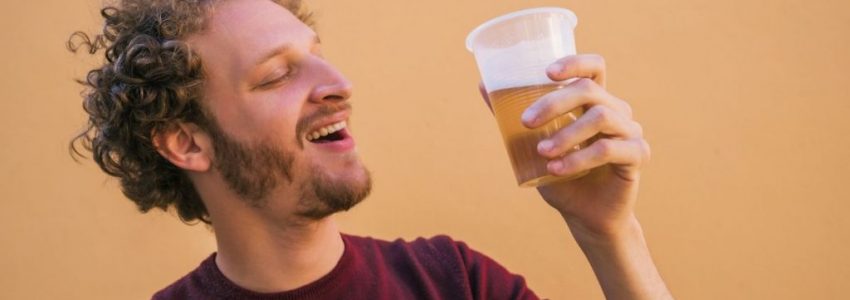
(545, 146)
(555, 68)
(529, 116)
(556, 166)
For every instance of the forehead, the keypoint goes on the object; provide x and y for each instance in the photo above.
(238, 32)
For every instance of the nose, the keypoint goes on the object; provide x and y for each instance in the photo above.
(332, 85)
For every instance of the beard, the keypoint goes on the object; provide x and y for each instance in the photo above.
(332, 197)
(253, 171)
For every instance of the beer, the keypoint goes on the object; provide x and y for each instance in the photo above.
(508, 105)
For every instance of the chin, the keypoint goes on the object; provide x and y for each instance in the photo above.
(332, 190)
(350, 170)
(352, 178)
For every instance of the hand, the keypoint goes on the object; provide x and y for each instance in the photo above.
(602, 202)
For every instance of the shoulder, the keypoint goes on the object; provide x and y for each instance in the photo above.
(439, 246)
(438, 255)
(420, 265)
(190, 286)
(441, 259)
(438, 241)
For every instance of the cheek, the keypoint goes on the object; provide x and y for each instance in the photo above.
(277, 120)
(283, 131)
(277, 111)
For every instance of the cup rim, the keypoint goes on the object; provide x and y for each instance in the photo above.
(570, 15)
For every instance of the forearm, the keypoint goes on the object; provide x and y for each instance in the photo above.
(621, 261)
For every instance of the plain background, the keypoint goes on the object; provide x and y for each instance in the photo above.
(744, 102)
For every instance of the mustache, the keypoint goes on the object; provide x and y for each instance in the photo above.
(322, 112)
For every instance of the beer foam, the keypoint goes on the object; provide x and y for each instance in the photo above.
(521, 64)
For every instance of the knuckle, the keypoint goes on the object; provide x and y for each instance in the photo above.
(628, 109)
(570, 60)
(564, 140)
(560, 136)
(604, 148)
(599, 59)
(601, 115)
(545, 105)
(638, 128)
(590, 88)
(584, 84)
(569, 160)
(590, 85)
(646, 152)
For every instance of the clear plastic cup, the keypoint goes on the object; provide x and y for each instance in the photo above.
(512, 52)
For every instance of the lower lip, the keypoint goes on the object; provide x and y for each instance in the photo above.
(344, 145)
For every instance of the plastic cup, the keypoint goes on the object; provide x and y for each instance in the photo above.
(512, 52)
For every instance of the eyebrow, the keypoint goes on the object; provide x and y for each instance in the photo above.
(282, 49)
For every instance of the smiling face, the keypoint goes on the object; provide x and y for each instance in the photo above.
(278, 111)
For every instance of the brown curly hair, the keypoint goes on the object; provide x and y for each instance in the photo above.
(150, 80)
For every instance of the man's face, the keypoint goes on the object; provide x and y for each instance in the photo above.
(270, 95)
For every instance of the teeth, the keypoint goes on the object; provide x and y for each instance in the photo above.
(326, 130)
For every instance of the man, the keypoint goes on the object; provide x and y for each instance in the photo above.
(247, 132)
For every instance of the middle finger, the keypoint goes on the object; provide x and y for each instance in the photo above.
(582, 92)
(598, 120)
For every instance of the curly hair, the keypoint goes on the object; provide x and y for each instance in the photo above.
(150, 81)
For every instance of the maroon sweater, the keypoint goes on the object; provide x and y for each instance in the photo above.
(435, 268)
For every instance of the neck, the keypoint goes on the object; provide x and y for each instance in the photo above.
(268, 249)
(265, 257)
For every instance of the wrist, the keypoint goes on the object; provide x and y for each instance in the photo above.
(609, 233)
(621, 260)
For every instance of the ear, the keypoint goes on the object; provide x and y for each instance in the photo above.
(186, 146)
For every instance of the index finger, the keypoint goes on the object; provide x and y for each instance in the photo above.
(577, 66)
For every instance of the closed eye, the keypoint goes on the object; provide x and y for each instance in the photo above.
(275, 81)
(272, 82)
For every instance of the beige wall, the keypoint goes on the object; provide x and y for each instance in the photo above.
(745, 103)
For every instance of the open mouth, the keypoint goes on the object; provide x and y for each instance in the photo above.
(328, 134)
